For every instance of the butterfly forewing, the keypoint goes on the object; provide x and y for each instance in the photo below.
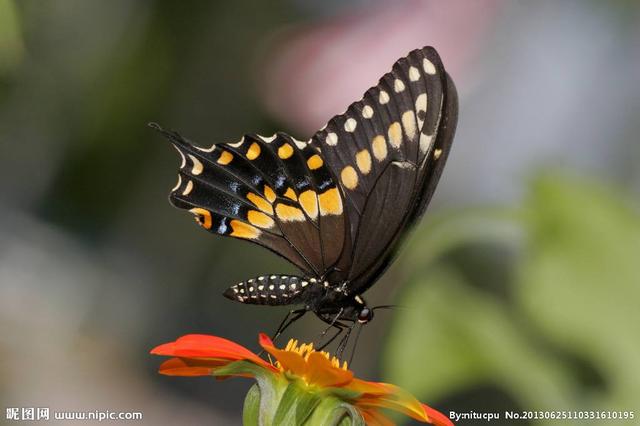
(381, 151)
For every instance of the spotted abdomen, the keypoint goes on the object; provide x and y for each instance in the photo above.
(270, 290)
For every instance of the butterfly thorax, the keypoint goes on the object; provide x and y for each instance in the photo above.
(337, 304)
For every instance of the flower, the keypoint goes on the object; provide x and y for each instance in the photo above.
(300, 385)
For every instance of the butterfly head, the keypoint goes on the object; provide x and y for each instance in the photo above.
(364, 313)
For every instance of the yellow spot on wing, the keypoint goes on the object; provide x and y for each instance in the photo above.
(260, 203)
(225, 158)
(349, 177)
(363, 161)
(409, 123)
(203, 217)
(309, 202)
(395, 134)
(197, 165)
(268, 192)
(188, 188)
(330, 202)
(288, 213)
(259, 219)
(379, 145)
(244, 230)
(437, 153)
(285, 151)
(314, 162)
(290, 193)
(253, 152)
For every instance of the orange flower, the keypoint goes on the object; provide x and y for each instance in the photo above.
(313, 373)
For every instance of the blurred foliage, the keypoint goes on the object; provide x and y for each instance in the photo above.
(11, 45)
(560, 336)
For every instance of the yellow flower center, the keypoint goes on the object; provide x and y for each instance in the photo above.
(306, 349)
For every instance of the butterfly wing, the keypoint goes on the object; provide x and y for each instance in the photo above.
(276, 192)
(387, 151)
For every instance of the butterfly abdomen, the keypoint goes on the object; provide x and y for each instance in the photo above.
(271, 290)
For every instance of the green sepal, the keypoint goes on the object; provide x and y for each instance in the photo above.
(296, 405)
(251, 408)
(335, 412)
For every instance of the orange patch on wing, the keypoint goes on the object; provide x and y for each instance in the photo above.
(244, 230)
(225, 158)
(260, 203)
(290, 193)
(309, 202)
(289, 213)
(395, 134)
(268, 192)
(285, 151)
(259, 219)
(253, 152)
(330, 202)
(203, 217)
(315, 162)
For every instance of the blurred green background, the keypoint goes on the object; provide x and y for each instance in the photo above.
(520, 290)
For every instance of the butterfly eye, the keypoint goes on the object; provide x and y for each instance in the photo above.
(365, 315)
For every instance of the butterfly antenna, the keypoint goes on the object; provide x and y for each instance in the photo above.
(387, 307)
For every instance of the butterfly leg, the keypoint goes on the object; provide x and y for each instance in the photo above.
(295, 315)
(331, 324)
(340, 327)
(345, 340)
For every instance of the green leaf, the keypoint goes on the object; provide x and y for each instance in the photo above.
(579, 282)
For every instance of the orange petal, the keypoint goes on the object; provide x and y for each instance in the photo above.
(190, 367)
(290, 361)
(371, 388)
(436, 417)
(396, 399)
(321, 373)
(203, 346)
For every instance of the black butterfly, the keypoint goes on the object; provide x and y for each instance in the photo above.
(337, 206)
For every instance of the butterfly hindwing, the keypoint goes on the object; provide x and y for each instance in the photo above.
(273, 191)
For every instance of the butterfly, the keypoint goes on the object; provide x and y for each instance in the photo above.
(337, 206)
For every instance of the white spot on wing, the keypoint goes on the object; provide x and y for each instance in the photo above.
(175, 188)
(350, 125)
(237, 144)
(183, 160)
(210, 149)
(398, 85)
(409, 123)
(268, 139)
(414, 74)
(197, 165)
(425, 142)
(299, 144)
(188, 188)
(428, 66)
(421, 108)
(367, 111)
(332, 139)
(384, 97)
